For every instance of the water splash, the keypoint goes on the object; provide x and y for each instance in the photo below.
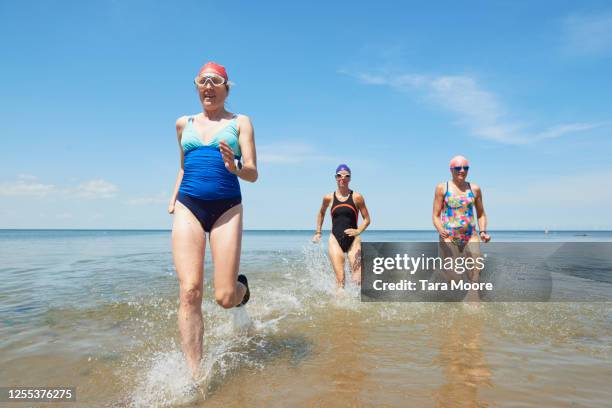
(242, 322)
(318, 271)
(166, 381)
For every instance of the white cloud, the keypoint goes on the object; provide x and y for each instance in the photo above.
(559, 130)
(26, 185)
(96, 189)
(289, 153)
(27, 177)
(476, 108)
(588, 34)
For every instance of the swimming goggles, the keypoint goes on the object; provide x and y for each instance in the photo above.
(342, 176)
(214, 79)
(459, 168)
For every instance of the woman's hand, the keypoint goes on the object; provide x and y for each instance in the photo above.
(352, 232)
(444, 234)
(484, 236)
(316, 237)
(171, 207)
(228, 157)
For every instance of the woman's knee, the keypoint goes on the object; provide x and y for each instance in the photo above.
(190, 295)
(225, 297)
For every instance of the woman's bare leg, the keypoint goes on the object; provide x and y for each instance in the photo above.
(225, 245)
(188, 245)
(473, 251)
(354, 256)
(336, 257)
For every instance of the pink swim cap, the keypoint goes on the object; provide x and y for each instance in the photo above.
(216, 68)
(459, 161)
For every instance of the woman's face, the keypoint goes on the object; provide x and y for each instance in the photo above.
(459, 169)
(343, 178)
(212, 96)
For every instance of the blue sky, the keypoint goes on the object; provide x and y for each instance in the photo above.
(91, 91)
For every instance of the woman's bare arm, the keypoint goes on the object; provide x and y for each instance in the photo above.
(321, 216)
(437, 209)
(360, 203)
(482, 215)
(180, 125)
(246, 140)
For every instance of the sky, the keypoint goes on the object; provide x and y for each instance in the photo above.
(91, 92)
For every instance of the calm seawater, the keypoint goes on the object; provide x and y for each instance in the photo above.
(97, 310)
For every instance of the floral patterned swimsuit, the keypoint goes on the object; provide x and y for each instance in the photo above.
(458, 215)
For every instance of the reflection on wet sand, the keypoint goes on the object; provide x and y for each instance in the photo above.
(347, 370)
(462, 361)
(326, 368)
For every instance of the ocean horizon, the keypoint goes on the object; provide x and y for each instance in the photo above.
(300, 229)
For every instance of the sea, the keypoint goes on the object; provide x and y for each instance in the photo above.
(97, 310)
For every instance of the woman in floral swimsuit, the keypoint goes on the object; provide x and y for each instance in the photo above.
(454, 205)
(457, 205)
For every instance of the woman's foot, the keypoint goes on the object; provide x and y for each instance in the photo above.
(243, 279)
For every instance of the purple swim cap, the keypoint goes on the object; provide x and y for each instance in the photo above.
(343, 167)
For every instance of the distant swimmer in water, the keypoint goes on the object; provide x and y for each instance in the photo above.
(346, 205)
(457, 204)
(207, 199)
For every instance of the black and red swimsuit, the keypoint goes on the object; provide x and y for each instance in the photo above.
(344, 215)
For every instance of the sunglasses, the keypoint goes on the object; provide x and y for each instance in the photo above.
(459, 168)
(342, 176)
(214, 79)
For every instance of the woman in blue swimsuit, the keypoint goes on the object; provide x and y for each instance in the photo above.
(207, 198)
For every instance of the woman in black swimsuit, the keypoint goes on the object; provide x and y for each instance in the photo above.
(346, 205)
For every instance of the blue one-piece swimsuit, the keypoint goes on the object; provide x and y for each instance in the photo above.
(208, 189)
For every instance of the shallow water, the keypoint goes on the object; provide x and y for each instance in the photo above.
(97, 310)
